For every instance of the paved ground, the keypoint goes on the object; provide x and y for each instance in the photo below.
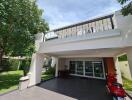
(78, 88)
(35, 93)
(62, 89)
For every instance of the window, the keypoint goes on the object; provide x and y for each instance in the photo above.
(72, 67)
(80, 67)
(87, 68)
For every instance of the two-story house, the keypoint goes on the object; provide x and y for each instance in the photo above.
(87, 49)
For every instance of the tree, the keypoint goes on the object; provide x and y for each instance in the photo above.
(19, 21)
(127, 9)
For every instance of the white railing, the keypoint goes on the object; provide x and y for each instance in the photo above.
(91, 26)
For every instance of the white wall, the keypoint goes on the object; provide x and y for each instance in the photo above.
(38, 39)
(125, 70)
(124, 23)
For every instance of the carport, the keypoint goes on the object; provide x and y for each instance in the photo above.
(78, 88)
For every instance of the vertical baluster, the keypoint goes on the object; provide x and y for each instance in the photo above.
(105, 24)
(84, 29)
(90, 28)
(112, 23)
(97, 26)
(101, 25)
(64, 32)
(74, 30)
(94, 27)
(70, 33)
(109, 24)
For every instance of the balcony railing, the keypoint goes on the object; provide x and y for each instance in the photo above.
(91, 26)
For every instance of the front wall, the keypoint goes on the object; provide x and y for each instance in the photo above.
(62, 64)
(110, 66)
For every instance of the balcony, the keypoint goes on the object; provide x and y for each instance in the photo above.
(88, 28)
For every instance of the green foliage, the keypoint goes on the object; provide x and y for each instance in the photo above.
(126, 10)
(5, 65)
(45, 77)
(122, 58)
(50, 71)
(25, 65)
(127, 84)
(19, 21)
(13, 64)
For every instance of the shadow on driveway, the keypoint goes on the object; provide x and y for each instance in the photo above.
(78, 88)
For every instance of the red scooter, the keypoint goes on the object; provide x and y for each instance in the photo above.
(114, 88)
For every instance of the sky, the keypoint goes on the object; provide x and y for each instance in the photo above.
(59, 13)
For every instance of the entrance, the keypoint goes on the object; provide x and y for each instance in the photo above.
(93, 69)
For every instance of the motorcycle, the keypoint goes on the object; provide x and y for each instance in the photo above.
(115, 88)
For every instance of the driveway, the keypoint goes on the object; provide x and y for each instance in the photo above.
(78, 88)
(63, 89)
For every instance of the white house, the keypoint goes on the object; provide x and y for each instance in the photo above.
(86, 49)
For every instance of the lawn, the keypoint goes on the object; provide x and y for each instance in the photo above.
(127, 84)
(9, 81)
(45, 77)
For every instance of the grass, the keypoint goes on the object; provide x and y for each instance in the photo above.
(127, 84)
(9, 81)
(45, 77)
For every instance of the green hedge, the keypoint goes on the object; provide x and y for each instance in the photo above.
(25, 65)
(12, 65)
(50, 71)
(123, 58)
(5, 65)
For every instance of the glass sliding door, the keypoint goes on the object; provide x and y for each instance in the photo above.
(88, 68)
(73, 67)
(79, 70)
(98, 69)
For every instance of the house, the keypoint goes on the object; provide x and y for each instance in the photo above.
(87, 49)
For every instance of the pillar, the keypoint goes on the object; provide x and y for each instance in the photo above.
(118, 72)
(55, 59)
(129, 57)
(36, 69)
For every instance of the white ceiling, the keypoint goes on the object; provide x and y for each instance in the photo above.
(111, 52)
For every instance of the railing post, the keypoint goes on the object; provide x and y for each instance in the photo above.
(111, 20)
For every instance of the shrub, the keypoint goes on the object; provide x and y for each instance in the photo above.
(14, 63)
(5, 65)
(25, 66)
(50, 71)
(123, 58)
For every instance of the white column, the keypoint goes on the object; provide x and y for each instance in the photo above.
(118, 72)
(36, 69)
(55, 63)
(56, 67)
(129, 57)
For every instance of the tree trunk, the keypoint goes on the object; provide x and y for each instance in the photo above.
(1, 55)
